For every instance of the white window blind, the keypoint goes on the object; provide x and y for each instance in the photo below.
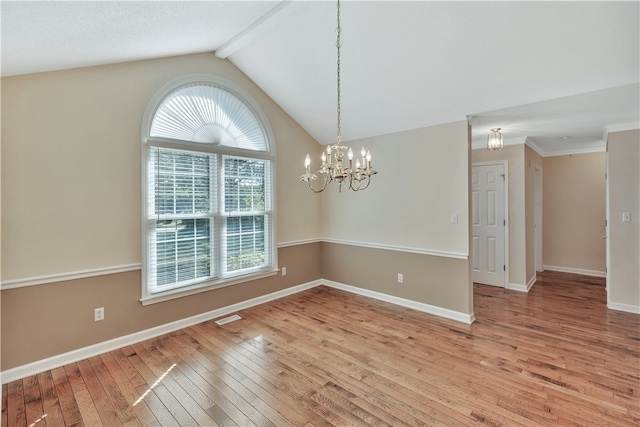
(182, 217)
(209, 215)
(247, 207)
(210, 115)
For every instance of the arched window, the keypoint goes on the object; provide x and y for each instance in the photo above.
(208, 194)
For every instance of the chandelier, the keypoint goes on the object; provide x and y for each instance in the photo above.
(354, 177)
(494, 140)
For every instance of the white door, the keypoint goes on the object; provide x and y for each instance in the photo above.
(488, 219)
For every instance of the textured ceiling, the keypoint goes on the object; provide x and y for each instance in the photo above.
(539, 70)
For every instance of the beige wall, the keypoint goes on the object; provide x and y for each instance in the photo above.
(51, 319)
(71, 167)
(574, 212)
(423, 180)
(71, 177)
(516, 221)
(438, 281)
(62, 215)
(623, 156)
(424, 177)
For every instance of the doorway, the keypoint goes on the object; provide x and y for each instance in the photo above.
(489, 230)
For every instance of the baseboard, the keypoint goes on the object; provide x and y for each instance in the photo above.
(517, 287)
(624, 307)
(584, 272)
(531, 282)
(116, 343)
(426, 308)
(522, 288)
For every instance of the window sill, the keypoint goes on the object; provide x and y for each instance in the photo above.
(204, 287)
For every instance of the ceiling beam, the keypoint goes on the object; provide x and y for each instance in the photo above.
(269, 20)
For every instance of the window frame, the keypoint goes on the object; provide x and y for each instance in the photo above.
(147, 297)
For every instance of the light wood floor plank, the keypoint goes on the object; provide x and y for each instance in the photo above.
(127, 393)
(50, 403)
(34, 410)
(555, 356)
(191, 399)
(4, 420)
(67, 399)
(103, 404)
(86, 406)
(252, 367)
(215, 376)
(15, 404)
(114, 393)
(210, 393)
(155, 388)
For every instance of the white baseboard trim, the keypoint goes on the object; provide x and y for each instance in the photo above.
(624, 307)
(517, 287)
(116, 343)
(426, 308)
(584, 272)
(522, 288)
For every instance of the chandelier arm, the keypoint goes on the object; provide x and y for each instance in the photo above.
(324, 184)
(313, 189)
(359, 181)
(354, 182)
(368, 182)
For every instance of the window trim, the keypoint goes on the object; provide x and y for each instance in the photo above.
(208, 284)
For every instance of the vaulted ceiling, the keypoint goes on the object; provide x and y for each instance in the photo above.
(552, 73)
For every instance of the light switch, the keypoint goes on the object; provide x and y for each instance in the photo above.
(454, 218)
(626, 216)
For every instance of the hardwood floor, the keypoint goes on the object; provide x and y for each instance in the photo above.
(555, 356)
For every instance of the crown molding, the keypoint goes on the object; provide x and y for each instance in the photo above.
(535, 147)
(600, 148)
(619, 127)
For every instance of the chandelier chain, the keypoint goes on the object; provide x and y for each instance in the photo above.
(338, 45)
(349, 173)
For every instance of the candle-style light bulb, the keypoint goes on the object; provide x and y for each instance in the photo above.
(368, 156)
(328, 150)
(350, 154)
(357, 164)
(324, 157)
(307, 161)
(362, 152)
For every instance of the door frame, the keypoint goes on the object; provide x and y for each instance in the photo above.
(607, 267)
(505, 164)
(538, 210)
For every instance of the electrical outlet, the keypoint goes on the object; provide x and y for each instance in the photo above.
(454, 218)
(284, 271)
(400, 278)
(98, 314)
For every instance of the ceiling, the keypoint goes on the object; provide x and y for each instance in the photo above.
(553, 74)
